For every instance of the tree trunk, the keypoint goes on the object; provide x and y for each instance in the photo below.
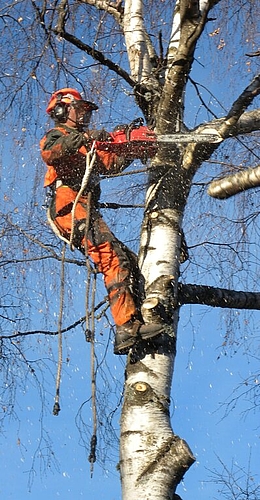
(153, 459)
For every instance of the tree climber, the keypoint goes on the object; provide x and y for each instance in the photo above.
(64, 149)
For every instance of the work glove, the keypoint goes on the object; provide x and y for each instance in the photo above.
(128, 127)
(99, 135)
(72, 143)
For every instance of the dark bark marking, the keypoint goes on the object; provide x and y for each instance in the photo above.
(181, 454)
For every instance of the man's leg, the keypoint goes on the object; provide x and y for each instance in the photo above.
(114, 260)
(123, 283)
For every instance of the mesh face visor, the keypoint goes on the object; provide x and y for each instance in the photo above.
(83, 111)
(83, 114)
(82, 104)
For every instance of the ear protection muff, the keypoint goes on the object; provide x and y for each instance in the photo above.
(61, 110)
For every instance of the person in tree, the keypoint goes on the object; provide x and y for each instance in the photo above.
(64, 149)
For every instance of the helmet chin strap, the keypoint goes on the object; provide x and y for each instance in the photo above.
(83, 123)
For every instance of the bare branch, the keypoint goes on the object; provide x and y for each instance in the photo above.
(98, 56)
(62, 14)
(115, 9)
(254, 54)
(56, 332)
(239, 107)
(218, 297)
(248, 122)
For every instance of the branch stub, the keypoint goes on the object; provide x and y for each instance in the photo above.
(150, 303)
(140, 387)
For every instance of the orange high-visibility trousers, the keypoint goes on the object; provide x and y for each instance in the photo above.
(106, 251)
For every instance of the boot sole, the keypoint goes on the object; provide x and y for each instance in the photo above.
(150, 335)
(126, 346)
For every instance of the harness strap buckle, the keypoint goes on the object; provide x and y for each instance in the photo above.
(58, 184)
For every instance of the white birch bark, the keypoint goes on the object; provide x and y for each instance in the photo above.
(152, 458)
(160, 252)
(203, 6)
(233, 184)
(150, 453)
(136, 41)
(175, 32)
(145, 428)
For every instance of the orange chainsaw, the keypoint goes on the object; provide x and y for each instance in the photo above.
(136, 140)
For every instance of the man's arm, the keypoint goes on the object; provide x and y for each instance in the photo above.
(55, 145)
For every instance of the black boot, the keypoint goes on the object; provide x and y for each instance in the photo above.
(129, 333)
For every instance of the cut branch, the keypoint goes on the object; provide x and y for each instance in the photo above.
(63, 330)
(233, 184)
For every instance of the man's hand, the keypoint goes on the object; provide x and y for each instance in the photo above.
(99, 135)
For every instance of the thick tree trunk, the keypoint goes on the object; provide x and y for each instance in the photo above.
(152, 459)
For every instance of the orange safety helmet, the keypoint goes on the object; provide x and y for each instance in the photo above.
(68, 96)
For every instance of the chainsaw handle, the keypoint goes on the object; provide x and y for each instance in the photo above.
(135, 124)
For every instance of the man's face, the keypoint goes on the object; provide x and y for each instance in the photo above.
(79, 116)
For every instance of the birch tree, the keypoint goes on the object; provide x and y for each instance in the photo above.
(159, 467)
(153, 459)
